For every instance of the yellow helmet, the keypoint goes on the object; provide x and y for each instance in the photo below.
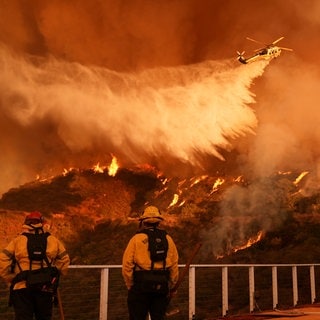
(152, 214)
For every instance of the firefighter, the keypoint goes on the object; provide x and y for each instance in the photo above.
(137, 265)
(14, 265)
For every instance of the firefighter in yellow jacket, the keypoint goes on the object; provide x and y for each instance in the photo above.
(148, 292)
(14, 265)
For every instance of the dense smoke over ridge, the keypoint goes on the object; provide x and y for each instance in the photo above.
(81, 80)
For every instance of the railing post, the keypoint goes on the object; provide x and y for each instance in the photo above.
(275, 287)
(192, 292)
(295, 285)
(251, 288)
(104, 281)
(312, 284)
(225, 297)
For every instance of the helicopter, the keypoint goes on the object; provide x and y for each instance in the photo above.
(268, 52)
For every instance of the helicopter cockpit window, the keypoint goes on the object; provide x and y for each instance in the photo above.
(264, 51)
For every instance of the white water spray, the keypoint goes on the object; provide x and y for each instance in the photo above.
(175, 112)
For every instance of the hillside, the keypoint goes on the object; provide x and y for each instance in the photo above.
(95, 215)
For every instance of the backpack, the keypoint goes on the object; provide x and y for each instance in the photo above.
(37, 247)
(154, 281)
(158, 245)
(45, 278)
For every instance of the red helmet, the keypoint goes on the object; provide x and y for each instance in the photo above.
(33, 218)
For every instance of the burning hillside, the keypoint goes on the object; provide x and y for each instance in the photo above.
(227, 214)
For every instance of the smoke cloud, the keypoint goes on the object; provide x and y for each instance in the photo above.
(159, 83)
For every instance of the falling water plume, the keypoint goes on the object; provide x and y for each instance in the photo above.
(174, 112)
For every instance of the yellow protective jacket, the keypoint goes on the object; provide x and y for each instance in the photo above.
(137, 257)
(17, 249)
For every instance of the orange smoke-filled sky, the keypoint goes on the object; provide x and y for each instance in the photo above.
(157, 82)
(137, 34)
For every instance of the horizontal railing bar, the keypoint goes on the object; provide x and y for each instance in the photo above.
(104, 266)
(86, 266)
(254, 265)
(204, 265)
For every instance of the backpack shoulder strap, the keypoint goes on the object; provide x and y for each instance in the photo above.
(46, 235)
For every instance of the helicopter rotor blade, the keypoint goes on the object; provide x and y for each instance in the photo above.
(276, 41)
(240, 54)
(256, 41)
(287, 49)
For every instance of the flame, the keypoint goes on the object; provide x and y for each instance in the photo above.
(164, 181)
(66, 171)
(98, 169)
(217, 183)
(174, 200)
(284, 173)
(197, 180)
(300, 177)
(250, 242)
(182, 203)
(113, 167)
(239, 179)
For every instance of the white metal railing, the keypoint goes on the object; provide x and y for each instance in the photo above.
(104, 287)
(251, 293)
